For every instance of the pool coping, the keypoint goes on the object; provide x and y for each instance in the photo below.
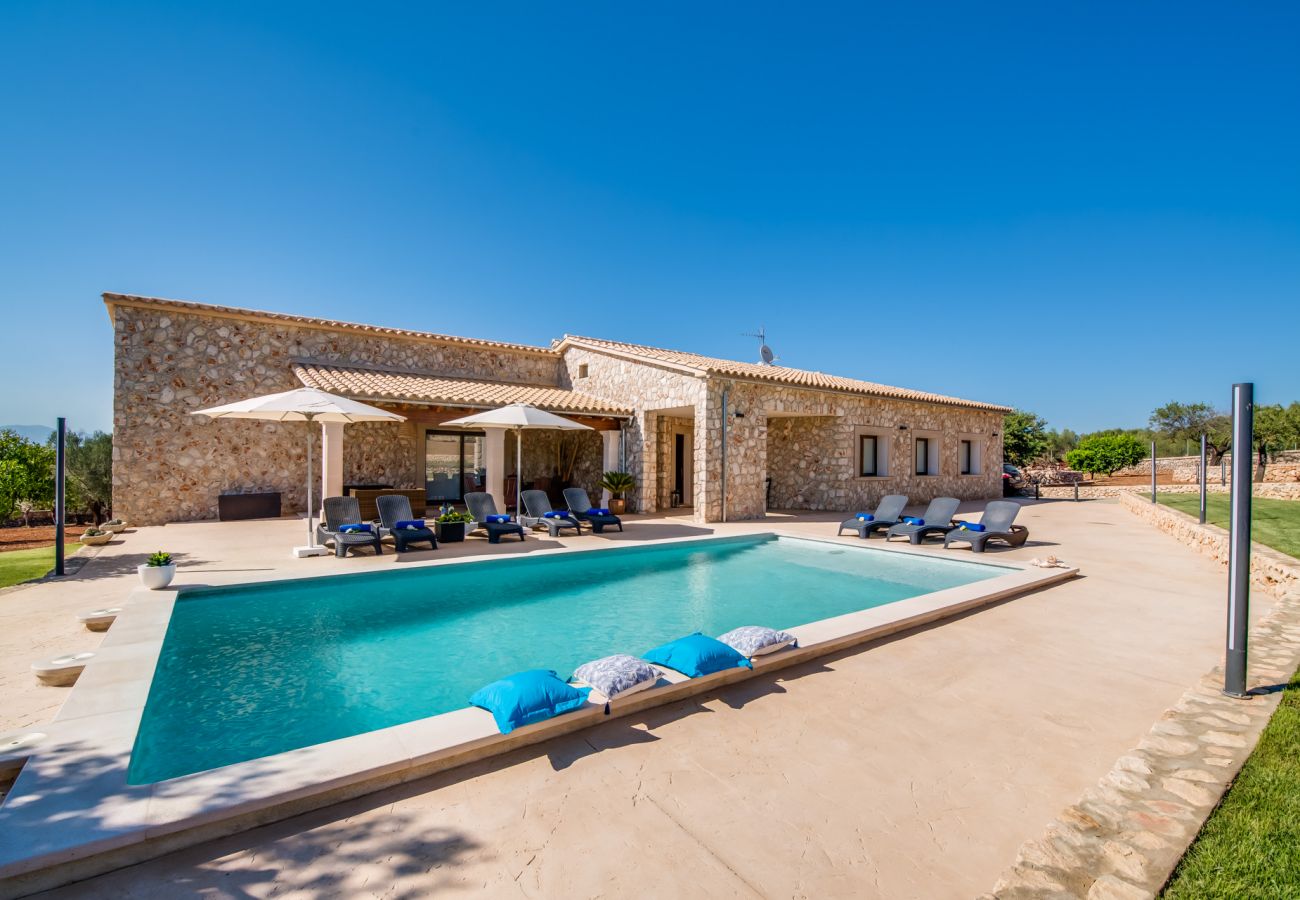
(55, 835)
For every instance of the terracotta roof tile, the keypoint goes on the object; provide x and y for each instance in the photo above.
(776, 374)
(417, 387)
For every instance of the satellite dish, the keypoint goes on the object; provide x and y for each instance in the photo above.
(765, 354)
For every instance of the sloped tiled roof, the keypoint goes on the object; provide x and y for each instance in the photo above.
(236, 312)
(416, 387)
(777, 374)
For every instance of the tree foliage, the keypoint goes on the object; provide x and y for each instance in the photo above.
(1024, 438)
(26, 474)
(90, 473)
(1105, 454)
(1182, 423)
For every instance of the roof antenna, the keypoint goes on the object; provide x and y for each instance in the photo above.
(765, 354)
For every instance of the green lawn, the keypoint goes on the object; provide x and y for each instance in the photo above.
(1250, 847)
(17, 566)
(1274, 523)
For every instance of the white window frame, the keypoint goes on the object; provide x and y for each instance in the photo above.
(883, 437)
(932, 445)
(976, 454)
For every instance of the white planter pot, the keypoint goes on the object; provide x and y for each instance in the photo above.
(155, 578)
(114, 529)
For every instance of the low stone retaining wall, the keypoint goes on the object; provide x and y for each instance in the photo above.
(1270, 570)
(1123, 838)
(1087, 491)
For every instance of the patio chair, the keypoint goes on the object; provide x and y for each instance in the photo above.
(394, 508)
(481, 505)
(888, 512)
(537, 505)
(937, 519)
(997, 521)
(580, 503)
(340, 511)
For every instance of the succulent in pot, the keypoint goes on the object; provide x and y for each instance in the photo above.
(157, 571)
(115, 526)
(451, 525)
(94, 537)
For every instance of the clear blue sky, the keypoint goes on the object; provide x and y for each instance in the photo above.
(1082, 209)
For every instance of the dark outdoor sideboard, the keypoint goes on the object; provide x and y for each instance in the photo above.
(370, 511)
(257, 505)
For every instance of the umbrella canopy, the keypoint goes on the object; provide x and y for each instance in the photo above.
(520, 417)
(302, 405)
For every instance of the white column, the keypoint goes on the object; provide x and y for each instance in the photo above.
(331, 460)
(609, 461)
(494, 461)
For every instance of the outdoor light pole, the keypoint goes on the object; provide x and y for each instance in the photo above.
(1243, 414)
(1153, 471)
(59, 489)
(1202, 479)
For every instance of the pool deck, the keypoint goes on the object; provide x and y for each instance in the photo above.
(914, 766)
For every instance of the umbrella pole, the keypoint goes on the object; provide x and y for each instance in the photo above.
(311, 532)
(519, 472)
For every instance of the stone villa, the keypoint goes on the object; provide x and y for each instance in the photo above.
(726, 439)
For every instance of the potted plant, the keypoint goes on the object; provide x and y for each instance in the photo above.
(115, 526)
(158, 571)
(618, 484)
(93, 537)
(451, 525)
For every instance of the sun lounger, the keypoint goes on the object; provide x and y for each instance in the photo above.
(481, 506)
(580, 508)
(340, 511)
(539, 512)
(997, 522)
(937, 519)
(394, 509)
(888, 512)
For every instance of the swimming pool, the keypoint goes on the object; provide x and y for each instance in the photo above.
(254, 670)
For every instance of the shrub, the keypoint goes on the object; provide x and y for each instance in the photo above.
(1105, 454)
(617, 483)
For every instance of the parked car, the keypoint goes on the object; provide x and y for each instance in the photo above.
(1013, 482)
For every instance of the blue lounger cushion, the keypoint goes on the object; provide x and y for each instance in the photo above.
(865, 517)
(696, 655)
(354, 527)
(598, 511)
(971, 526)
(554, 514)
(528, 697)
(913, 520)
(410, 524)
(496, 519)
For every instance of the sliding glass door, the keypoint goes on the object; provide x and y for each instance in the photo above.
(453, 465)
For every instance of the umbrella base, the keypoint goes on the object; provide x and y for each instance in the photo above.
(300, 552)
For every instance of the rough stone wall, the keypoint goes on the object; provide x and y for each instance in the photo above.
(169, 466)
(381, 453)
(645, 388)
(1094, 492)
(1281, 469)
(813, 457)
(540, 458)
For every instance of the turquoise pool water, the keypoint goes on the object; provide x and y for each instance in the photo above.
(253, 670)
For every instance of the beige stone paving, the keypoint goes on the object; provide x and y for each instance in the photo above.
(912, 768)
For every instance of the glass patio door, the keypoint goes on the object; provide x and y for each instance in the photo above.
(453, 465)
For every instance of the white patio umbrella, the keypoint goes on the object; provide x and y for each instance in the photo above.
(302, 405)
(520, 417)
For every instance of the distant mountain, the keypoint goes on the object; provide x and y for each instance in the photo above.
(38, 433)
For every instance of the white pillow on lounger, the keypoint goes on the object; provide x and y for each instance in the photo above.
(755, 640)
(618, 675)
